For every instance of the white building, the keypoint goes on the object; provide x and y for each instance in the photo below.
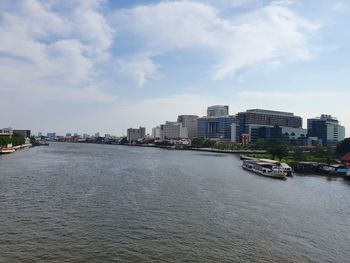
(173, 130)
(189, 122)
(156, 132)
(134, 135)
(6, 131)
(217, 111)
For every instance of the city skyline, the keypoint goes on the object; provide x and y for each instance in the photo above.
(141, 63)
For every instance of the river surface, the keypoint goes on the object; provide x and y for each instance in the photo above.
(105, 203)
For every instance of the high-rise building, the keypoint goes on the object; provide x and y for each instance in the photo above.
(326, 128)
(250, 121)
(134, 135)
(156, 132)
(218, 128)
(189, 122)
(217, 111)
(24, 133)
(173, 130)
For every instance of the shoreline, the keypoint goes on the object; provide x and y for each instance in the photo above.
(13, 149)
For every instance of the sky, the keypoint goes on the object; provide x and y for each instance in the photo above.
(103, 66)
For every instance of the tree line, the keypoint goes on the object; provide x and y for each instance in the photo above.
(15, 139)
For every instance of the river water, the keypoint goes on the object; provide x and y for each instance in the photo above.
(105, 203)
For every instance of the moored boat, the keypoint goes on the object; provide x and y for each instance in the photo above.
(6, 150)
(267, 169)
(344, 171)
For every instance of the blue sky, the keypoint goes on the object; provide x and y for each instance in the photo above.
(93, 65)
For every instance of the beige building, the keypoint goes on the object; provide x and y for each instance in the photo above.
(134, 135)
(156, 132)
(173, 130)
(189, 122)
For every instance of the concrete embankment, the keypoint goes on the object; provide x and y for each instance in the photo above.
(199, 149)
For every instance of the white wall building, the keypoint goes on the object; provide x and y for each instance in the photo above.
(134, 135)
(189, 122)
(173, 130)
(6, 131)
(156, 132)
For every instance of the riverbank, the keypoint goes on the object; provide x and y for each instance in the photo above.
(8, 150)
(189, 148)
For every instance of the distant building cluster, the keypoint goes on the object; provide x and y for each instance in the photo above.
(247, 127)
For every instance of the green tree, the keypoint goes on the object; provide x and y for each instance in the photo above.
(261, 144)
(278, 149)
(299, 154)
(208, 144)
(32, 139)
(4, 140)
(17, 139)
(343, 148)
(197, 142)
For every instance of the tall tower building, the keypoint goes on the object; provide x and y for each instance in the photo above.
(326, 128)
(189, 122)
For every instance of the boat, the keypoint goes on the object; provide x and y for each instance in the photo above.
(287, 169)
(6, 150)
(268, 169)
(344, 171)
(41, 143)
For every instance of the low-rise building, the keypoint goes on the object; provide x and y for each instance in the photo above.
(346, 159)
(6, 131)
(268, 132)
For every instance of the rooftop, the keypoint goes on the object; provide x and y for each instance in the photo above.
(271, 112)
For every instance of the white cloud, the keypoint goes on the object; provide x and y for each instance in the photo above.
(341, 6)
(269, 33)
(170, 25)
(46, 46)
(152, 112)
(253, 95)
(139, 66)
